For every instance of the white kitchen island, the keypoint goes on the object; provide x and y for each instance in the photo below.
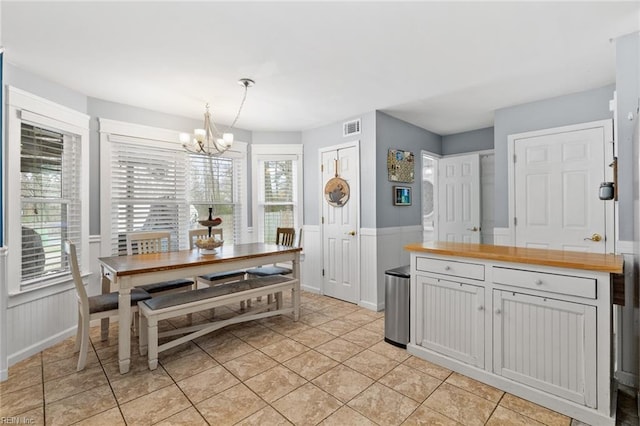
(535, 323)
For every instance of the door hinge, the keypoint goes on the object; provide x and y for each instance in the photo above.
(514, 158)
(323, 220)
(323, 272)
(515, 221)
(322, 167)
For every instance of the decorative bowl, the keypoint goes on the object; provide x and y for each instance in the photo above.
(208, 244)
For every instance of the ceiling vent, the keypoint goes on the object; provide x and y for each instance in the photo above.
(351, 128)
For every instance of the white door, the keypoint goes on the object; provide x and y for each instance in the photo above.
(340, 226)
(459, 198)
(557, 176)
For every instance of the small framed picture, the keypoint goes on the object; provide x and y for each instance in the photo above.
(401, 195)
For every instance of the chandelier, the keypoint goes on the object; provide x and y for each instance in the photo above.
(209, 140)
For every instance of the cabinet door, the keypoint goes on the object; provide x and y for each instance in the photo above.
(547, 344)
(450, 319)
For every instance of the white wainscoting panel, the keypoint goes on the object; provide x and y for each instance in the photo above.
(382, 249)
(311, 259)
(626, 320)
(4, 364)
(38, 324)
(502, 237)
(369, 297)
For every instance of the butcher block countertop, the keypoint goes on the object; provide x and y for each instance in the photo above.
(562, 259)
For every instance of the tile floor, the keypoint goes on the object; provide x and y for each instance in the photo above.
(330, 368)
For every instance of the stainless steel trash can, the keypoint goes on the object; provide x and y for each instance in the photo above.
(396, 306)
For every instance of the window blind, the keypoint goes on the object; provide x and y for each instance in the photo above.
(50, 173)
(278, 201)
(148, 192)
(214, 182)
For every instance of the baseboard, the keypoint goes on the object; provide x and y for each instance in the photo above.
(42, 345)
(310, 289)
(371, 306)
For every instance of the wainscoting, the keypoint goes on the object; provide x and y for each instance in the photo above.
(43, 318)
(380, 249)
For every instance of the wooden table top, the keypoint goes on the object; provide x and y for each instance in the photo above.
(559, 258)
(154, 262)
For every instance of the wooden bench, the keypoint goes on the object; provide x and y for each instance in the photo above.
(171, 305)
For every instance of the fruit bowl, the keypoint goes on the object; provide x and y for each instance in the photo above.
(208, 245)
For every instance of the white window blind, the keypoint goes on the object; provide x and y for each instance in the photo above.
(278, 201)
(50, 173)
(148, 192)
(215, 182)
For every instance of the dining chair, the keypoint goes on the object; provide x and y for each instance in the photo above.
(93, 307)
(284, 237)
(145, 242)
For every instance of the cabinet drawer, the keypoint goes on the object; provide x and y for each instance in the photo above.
(563, 284)
(450, 267)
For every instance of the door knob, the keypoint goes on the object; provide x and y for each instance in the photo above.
(352, 233)
(474, 229)
(595, 237)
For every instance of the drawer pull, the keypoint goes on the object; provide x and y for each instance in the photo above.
(498, 311)
(480, 308)
(447, 268)
(538, 282)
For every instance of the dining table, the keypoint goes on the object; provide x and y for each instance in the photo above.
(126, 272)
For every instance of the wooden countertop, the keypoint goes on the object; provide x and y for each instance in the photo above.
(562, 259)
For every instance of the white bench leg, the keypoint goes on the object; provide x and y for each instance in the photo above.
(152, 330)
(143, 337)
(278, 300)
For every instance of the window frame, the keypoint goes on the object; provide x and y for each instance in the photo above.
(275, 152)
(34, 110)
(118, 131)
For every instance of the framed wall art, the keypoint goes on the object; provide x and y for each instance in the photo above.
(400, 165)
(401, 196)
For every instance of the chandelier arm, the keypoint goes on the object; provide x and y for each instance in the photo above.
(213, 142)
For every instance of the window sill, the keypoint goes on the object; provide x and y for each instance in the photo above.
(60, 285)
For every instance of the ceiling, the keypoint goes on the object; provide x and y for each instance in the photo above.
(443, 66)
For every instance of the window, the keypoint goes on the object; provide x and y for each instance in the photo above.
(277, 179)
(214, 184)
(147, 193)
(47, 185)
(152, 183)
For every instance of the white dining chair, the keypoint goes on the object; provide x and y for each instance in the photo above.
(284, 237)
(93, 307)
(144, 242)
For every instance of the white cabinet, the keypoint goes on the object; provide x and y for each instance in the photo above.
(451, 321)
(540, 332)
(547, 344)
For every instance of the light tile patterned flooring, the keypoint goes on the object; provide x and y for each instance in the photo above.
(330, 368)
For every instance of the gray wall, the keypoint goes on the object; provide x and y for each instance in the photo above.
(575, 108)
(397, 134)
(330, 135)
(628, 93)
(49, 90)
(277, 137)
(474, 140)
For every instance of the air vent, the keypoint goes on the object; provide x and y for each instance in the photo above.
(351, 128)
